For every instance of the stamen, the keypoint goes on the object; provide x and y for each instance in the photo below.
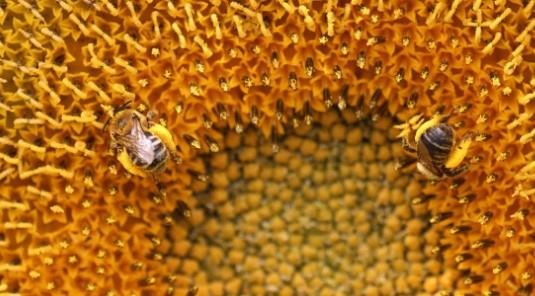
(203, 45)
(522, 37)
(525, 138)
(16, 225)
(239, 25)
(113, 11)
(109, 40)
(28, 98)
(85, 117)
(125, 64)
(79, 23)
(490, 47)
(37, 149)
(500, 18)
(129, 40)
(133, 13)
(41, 193)
(78, 92)
(287, 6)
(47, 170)
(309, 21)
(65, 6)
(452, 10)
(432, 18)
(27, 121)
(47, 32)
(156, 26)
(263, 29)
(181, 37)
(171, 8)
(122, 90)
(32, 39)
(215, 23)
(190, 25)
(101, 94)
(527, 98)
(8, 205)
(330, 23)
(6, 172)
(248, 12)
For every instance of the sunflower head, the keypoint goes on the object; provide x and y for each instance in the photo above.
(281, 114)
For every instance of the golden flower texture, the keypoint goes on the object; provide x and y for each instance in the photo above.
(282, 113)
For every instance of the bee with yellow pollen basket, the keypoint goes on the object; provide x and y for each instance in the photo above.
(433, 147)
(143, 146)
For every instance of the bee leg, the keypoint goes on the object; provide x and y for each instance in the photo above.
(404, 162)
(159, 185)
(455, 171)
(114, 147)
(174, 157)
(407, 146)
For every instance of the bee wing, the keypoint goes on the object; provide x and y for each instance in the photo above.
(138, 149)
(423, 153)
(424, 157)
(128, 141)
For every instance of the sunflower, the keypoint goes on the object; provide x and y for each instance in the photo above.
(283, 114)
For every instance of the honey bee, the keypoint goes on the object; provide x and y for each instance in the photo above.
(144, 147)
(437, 155)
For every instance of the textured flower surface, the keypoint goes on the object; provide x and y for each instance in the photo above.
(260, 93)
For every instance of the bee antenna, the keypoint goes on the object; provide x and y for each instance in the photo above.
(115, 110)
(106, 124)
(446, 117)
(440, 109)
(122, 107)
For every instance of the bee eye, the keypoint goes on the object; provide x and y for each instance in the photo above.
(121, 123)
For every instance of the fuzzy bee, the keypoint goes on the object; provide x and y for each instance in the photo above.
(437, 155)
(144, 147)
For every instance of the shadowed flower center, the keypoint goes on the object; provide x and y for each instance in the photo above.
(327, 213)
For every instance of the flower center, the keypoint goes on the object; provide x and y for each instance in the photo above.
(327, 213)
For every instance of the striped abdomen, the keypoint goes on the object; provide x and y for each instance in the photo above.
(438, 140)
(434, 147)
(150, 153)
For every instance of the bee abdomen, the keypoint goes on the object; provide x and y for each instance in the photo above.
(438, 140)
(138, 161)
(160, 155)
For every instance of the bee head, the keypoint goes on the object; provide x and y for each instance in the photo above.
(116, 111)
(123, 122)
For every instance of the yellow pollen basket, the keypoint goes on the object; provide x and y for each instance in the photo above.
(458, 154)
(165, 135)
(426, 125)
(128, 165)
(161, 132)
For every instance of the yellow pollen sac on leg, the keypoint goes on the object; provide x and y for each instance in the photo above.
(459, 153)
(426, 125)
(128, 165)
(165, 135)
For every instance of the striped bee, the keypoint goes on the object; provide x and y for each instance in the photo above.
(437, 156)
(142, 149)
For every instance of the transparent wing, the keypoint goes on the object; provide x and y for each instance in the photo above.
(424, 157)
(138, 145)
